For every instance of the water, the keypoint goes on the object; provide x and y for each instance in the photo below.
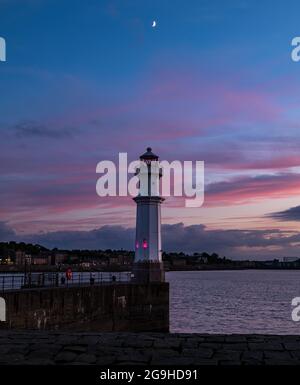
(248, 301)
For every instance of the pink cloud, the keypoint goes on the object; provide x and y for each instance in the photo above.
(183, 115)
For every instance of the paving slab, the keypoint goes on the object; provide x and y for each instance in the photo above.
(91, 348)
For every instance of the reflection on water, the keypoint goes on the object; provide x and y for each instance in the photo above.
(248, 301)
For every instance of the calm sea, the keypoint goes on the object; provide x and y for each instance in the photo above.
(248, 301)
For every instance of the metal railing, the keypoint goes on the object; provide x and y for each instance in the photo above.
(59, 279)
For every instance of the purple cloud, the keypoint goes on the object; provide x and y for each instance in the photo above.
(291, 214)
(244, 244)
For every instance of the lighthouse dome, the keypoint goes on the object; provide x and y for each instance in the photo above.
(149, 155)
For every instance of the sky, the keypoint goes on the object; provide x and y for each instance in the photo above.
(213, 81)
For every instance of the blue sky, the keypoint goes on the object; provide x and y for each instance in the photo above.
(214, 81)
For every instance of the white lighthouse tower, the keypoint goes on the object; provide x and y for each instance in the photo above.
(148, 265)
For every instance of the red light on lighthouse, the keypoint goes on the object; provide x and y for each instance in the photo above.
(145, 244)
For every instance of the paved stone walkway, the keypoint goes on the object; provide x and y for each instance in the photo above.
(50, 348)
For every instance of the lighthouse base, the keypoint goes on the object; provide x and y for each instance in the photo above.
(149, 271)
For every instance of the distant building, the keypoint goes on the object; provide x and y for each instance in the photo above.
(269, 264)
(290, 259)
(86, 264)
(125, 259)
(6, 261)
(20, 258)
(59, 258)
(179, 262)
(114, 260)
(40, 260)
(246, 263)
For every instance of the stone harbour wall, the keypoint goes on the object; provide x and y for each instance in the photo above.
(105, 307)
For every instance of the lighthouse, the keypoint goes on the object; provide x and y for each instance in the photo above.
(148, 265)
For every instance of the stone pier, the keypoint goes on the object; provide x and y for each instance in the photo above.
(106, 307)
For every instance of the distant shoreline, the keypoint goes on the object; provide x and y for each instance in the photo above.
(49, 269)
